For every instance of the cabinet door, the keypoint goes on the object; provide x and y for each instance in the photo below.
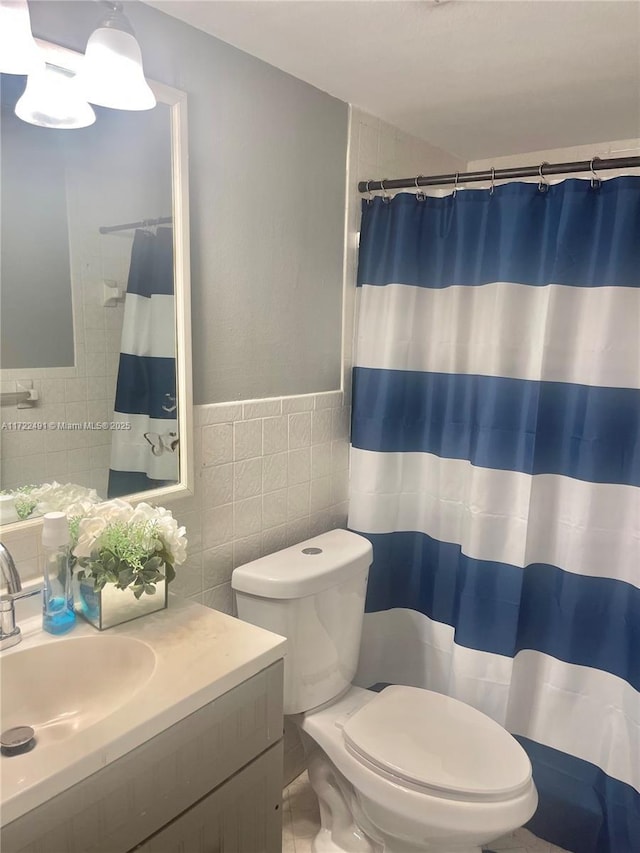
(244, 815)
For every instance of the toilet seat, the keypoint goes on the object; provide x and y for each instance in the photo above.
(438, 745)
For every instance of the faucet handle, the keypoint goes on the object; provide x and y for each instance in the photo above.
(9, 632)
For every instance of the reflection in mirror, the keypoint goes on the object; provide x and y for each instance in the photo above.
(91, 270)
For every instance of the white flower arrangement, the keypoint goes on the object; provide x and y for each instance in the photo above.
(70, 498)
(128, 546)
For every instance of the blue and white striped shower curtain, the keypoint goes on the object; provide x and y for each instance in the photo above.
(146, 455)
(495, 466)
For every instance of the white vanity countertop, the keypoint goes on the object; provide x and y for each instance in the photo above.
(199, 655)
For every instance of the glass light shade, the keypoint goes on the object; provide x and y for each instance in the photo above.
(52, 99)
(18, 50)
(111, 74)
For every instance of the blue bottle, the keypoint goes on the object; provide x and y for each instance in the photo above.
(58, 615)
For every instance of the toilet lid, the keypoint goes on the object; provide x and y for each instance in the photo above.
(435, 742)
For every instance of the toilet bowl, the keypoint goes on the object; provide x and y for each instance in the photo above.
(404, 770)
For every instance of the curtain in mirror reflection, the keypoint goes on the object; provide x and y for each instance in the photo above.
(145, 455)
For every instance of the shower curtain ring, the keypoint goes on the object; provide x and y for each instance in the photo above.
(386, 198)
(455, 185)
(493, 180)
(543, 185)
(420, 196)
(596, 181)
(368, 190)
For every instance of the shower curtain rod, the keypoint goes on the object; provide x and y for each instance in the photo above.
(541, 170)
(126, 226)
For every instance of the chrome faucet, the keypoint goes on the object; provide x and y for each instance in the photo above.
(9, 632)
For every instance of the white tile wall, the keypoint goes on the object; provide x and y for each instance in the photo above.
(254, 482)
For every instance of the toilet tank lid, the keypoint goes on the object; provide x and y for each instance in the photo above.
(304, 569)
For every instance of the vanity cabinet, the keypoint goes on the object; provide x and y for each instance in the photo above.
(210, 783)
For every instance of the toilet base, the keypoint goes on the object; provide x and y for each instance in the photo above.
(344, 828)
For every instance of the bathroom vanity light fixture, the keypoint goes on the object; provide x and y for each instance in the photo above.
(52, 99)
(18, 50)
(111, 74)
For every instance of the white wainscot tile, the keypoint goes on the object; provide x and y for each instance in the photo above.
(95, 341)
(320, 497)
(217, 444)
(96, 364)
(297, 531)
(52, 391)
(247, 478)
(57, 464)
(219, 598)
(10, 443)
(299, 466)
(275, 434)
(192, 522)
(217, 485)
(57, 440)
(33, 441)
(261, 408)
(85, 478)
(341, 423)
(247, 517)
(320, 460)
(99, 411)
(339, 456)
(274, 471)
(321, 426)
(218, 413)
(246, 550)
(274, 539)
(217, 565)
(302, 403)
(274, 508)
(339, 514)
(319, 522)
(299, 430)
(79, 460)
(75, 412)
(98, 388)
(217, 526)
(188, 579)
(297, 501)
(247, 439)
(339, 487)
(54, 412)
(101, 455)
(22, 545)
(329, 400)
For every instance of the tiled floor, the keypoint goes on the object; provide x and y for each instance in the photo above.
(301, 821)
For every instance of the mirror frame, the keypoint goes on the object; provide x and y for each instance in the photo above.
(176, 100)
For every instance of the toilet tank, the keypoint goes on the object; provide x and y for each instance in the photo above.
(313, 594)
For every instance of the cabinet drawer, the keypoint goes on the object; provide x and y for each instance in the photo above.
(244, 815)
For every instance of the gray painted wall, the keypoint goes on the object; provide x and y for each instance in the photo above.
(36, 314)
(267, 186)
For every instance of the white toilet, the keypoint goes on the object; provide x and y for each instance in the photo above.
(403, 770)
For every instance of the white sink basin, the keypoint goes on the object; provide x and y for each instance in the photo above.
(93, 697)
(67, 685)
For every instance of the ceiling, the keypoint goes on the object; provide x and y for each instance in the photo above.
(479, 78)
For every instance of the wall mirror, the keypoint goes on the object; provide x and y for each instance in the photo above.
(95, 344)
